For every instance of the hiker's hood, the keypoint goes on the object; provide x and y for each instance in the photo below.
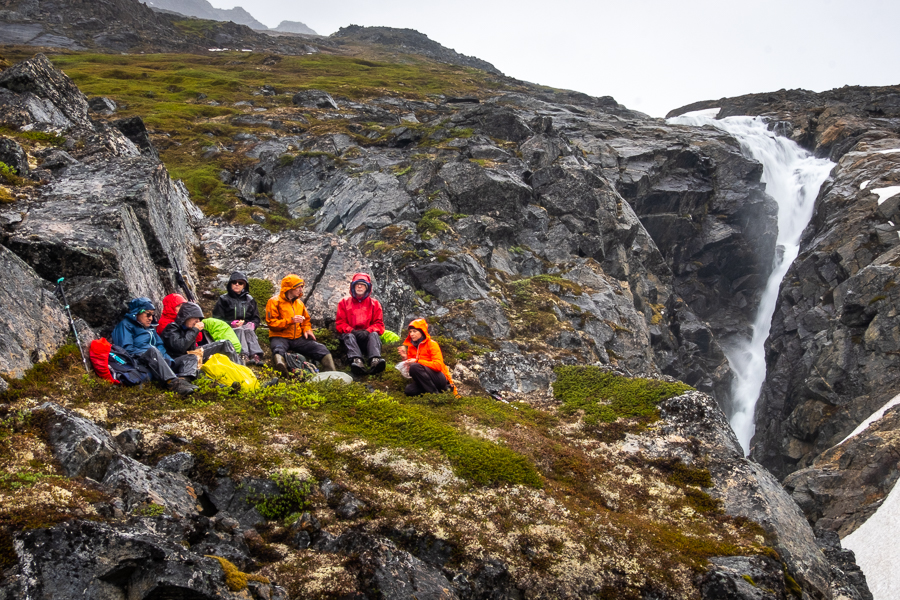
(288, 283)
(419, 324)
(364, 279)
(170, 306)
(137, 306)
(238, 276)
(188, 310)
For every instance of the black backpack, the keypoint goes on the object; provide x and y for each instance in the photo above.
(298, 366)
(125, 369)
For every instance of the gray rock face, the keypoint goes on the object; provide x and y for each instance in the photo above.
(117, 226)
(36, 89)
(847, 483)
(33, 324)
(832, 350)
(743, 578)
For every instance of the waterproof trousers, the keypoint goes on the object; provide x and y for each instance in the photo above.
(311, 349)
(249, 342)
(362, 338)
(221, 347)
(183, 366)
(425, 381)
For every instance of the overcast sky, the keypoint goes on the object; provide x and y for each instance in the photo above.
(650, 55)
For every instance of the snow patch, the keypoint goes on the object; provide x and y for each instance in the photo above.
(874, 417)
(863, 185)
(709, 113)
(885, 193)
(876, 548)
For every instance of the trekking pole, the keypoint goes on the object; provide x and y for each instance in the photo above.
(179, 279)
(59, 289)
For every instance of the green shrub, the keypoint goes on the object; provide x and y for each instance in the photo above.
(431, 224)
(605, 397)
(293, 497)
(261, 290)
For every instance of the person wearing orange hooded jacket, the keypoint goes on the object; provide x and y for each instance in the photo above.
(290, 329)
(427, 369)
(360, 323)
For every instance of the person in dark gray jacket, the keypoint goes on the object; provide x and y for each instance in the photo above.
(181, 336)
(239, 308)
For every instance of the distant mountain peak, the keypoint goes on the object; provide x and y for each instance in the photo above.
(204, 10)
(294, 27)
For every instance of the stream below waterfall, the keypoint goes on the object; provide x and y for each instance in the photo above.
(793, 178)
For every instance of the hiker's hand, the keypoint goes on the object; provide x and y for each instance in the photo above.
(309, 335)
(297, 319)
(200, 326)
(402, 352)
(236, 324)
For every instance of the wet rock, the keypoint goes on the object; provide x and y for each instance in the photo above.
(349, 507)
(33, 324)
(490, 579)
(237, 498)
(12, 155)
(314, 99)
(82, 448)
(848, 579)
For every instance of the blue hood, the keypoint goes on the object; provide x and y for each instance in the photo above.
(138, 305)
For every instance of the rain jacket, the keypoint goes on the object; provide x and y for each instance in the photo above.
(279, 312)
(360, 313)
(134, 337)
(220, 330)
(178, 338)
(236, 307)
(169, 311)
(428, 353)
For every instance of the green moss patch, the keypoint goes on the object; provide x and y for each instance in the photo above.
(605, 397)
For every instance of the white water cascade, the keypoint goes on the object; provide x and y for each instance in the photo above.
(793, 178)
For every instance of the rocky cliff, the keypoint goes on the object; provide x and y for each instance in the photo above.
(523, 227)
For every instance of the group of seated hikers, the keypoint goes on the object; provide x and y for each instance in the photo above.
(172, 350)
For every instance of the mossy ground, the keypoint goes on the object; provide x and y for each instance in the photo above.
(165, 90)
(538, 489)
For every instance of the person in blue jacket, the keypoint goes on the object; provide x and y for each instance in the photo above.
(136, 336)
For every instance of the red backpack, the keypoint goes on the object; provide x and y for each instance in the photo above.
(99, 352)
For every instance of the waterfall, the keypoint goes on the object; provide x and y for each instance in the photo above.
(793, 178)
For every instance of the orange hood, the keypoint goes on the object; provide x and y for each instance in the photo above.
(421, 324)
(288, 283)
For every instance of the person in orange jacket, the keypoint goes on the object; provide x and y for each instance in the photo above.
(360, 323)
(428, 371)
(290, 329)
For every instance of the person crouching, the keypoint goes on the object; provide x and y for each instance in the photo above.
(186, 335)
(427, 370)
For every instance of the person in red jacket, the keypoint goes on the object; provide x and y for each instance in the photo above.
(360, 323)
(427, 369)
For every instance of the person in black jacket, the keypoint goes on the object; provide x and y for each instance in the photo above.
(181, 336)
(239, 308)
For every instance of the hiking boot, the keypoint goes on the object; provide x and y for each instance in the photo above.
(328, 363)
(256, 360)
(181, 386)
(376, 365)
(357, 366)
(281, 365)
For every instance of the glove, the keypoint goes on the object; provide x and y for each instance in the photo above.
(251, 326)
(236, 323)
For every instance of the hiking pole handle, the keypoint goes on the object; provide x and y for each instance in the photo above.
(62, 293)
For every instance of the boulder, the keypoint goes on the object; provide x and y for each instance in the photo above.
(314, 99)
(140, 486)
(33, 324)
(102, 105)
(134, 129)
(36, 92)
(94, 560)
(12, 155)
(81, 447)
(743, 578)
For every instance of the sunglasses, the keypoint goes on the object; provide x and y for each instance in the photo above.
(149, 313)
